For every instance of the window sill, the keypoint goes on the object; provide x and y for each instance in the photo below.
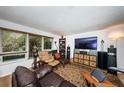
(47, 49)
(15, 61)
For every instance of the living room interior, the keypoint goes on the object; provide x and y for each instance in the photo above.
(61, 46)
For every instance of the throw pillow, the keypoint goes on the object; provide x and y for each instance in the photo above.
(57, 56)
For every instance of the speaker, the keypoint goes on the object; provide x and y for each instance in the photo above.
(68, 52)
(102, 60)
(112, 59)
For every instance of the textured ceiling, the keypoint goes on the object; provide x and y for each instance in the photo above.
(64, 20)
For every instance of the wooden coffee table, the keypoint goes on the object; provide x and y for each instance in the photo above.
(92, 82)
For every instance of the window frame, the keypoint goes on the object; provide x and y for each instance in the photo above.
(29, 42)
(12, 53)
(26, 52)
(24, 42)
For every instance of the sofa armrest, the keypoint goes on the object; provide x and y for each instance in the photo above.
(14, 81)
(41, 72)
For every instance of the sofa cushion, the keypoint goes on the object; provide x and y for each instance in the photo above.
(57, 56)
(42, 71)
(25, 77)
(54, 63)
(45, 56)
(51, 80)
(43, 53)
(49, 60)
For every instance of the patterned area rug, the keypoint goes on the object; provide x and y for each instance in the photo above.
(71, 72)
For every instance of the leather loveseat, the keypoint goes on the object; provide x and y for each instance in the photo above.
(43, 77)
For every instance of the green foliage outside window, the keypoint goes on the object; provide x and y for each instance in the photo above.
(47, 43)
(12, 41)
(34, 41)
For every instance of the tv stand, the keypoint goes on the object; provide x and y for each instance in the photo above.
(85, 59)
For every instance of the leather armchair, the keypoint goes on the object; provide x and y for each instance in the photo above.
(47, 58)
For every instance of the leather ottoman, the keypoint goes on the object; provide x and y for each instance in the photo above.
(64, 61)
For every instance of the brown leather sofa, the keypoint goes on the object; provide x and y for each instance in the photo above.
(43, 77)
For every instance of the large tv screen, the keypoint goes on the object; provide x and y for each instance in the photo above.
(86, 43)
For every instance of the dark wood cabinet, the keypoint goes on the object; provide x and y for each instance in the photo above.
(62, 47)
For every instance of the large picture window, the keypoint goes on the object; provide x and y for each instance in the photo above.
(13, 45)
(34, 40)
(16, 45)
(47, 43)
(13, 41)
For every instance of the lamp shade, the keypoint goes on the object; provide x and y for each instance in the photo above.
(115, 35)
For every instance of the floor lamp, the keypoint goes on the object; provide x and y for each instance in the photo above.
(115, 36)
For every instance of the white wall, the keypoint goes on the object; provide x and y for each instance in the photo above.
(8, 68)
(120, 53)
(102, 35)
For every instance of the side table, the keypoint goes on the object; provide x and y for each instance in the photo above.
(36, 65)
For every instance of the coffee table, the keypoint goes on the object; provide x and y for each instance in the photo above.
(92, 82)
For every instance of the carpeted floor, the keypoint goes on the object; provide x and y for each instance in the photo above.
(72, 73)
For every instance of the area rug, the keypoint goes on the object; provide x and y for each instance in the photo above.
(72, 73)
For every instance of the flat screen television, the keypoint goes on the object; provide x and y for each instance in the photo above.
(86, 43)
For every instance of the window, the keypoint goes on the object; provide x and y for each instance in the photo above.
(11, 43)
(11, 57)
(47, 43)
(34, 40)
(14, 44)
